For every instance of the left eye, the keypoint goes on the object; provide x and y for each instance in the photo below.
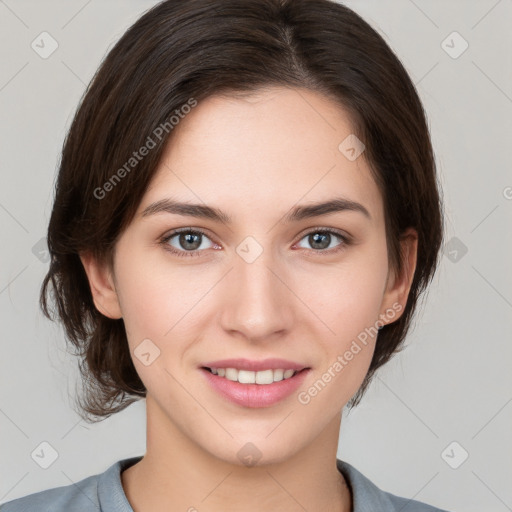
(321, 239)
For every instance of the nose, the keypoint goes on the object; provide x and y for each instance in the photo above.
(258, 302)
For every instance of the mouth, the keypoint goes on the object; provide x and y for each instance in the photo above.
(262, 377)
(254, 383)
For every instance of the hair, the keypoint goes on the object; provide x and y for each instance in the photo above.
(183, 50)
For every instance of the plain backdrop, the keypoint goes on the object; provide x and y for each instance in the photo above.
(436, 423)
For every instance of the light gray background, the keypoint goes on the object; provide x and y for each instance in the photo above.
(452, 383)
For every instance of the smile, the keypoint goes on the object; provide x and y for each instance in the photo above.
(263, 377)
(254, 384)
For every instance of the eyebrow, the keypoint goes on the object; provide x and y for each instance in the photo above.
(298, 213)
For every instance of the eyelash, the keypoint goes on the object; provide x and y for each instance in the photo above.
(187, 254)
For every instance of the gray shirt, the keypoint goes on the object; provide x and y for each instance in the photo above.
(104, 493)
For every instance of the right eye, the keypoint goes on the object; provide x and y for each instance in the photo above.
(185, 242)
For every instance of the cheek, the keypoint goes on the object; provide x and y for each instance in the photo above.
(151, 313)
(160, 303)
(153, 295)
(144, 306)
(347, 297)
(350, 310)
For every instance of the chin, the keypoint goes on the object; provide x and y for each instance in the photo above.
(255, 449)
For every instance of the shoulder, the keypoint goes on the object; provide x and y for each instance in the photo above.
(82, 495)
(92, 494)
(368, 497)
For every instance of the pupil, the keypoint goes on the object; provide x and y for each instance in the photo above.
(187, 241)
(321, 239)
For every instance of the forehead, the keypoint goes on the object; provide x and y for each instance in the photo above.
(279, 146)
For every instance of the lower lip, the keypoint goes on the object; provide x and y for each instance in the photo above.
(255, 395)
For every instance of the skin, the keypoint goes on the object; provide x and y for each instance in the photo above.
(254, 158)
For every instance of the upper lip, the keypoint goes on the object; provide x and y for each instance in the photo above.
(255, 366)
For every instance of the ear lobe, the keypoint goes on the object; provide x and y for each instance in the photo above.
(398, 287)
(102, 286)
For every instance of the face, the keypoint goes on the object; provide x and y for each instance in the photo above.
(263, 279)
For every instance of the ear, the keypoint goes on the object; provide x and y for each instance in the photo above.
(102, 286)
(398, 286)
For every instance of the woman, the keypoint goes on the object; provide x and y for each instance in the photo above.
(245, 216)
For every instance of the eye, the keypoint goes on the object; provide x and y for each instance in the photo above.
(321, 240)
(186, 242)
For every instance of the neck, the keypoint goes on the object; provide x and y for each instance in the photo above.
(176, 474)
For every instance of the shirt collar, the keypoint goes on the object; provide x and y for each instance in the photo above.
(366, 496)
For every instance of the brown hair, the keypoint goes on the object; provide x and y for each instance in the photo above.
(183, 49)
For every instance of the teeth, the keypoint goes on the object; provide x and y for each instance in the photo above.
(249, 377)
(278, 375)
